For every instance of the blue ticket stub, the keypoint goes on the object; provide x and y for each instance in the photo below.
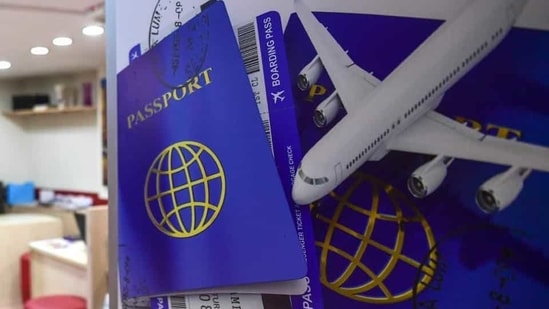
(274, 87)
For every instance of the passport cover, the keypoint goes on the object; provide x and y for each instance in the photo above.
(200, 201)
(379, 246)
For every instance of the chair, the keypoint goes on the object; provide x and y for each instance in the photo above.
(45, 302)
(97, 268)
(16, 232)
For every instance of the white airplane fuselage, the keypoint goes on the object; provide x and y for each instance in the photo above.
(415, 87)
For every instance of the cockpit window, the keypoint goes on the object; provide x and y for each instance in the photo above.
(320, 181)
(304, 177)
(311, 181)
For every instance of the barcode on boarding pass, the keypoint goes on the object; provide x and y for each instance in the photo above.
(267, 128)
(179, 302)
(247, 40)
(249, 51)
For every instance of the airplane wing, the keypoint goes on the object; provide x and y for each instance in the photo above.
(351, 82)
(436, 134)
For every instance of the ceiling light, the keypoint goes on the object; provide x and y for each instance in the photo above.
(62, 41)
(93, 30)
(4, 65)
(39, 50)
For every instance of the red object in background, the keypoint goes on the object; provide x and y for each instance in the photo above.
(97, 201)
(56, 302)
(45, 302)
(25, 277)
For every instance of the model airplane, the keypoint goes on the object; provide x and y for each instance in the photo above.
(398, 113)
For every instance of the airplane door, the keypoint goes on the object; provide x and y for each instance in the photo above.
(338, 172)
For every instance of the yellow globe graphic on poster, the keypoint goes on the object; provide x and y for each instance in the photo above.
(184, 189)
(365, 253)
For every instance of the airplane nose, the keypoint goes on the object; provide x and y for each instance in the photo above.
(300, 192)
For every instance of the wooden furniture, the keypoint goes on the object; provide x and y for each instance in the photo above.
(58, 266)
(49, 111)
(16, 231)
(63, 267)
(66, 216)
(97, 227)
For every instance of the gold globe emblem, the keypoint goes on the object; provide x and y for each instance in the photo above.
(375, 266)
(184, 189)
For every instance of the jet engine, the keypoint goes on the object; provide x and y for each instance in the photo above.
(498, 192)
(428, 177)
(327, 110)
(309, 74)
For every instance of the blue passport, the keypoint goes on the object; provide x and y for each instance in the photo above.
(200, 203)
